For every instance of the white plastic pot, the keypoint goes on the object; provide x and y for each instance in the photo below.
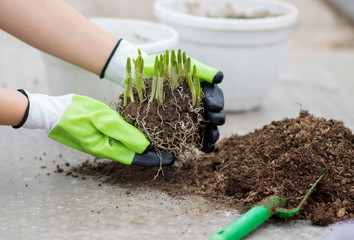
(248, 51)
(63, 77)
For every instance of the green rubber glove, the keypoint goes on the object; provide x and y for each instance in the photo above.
(205, 73)
(91, 126)
(114, 69)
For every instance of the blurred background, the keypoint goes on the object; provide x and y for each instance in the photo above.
(321, 23)
(316, 66)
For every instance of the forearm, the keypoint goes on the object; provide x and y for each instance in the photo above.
(13, 106)
(58, 29)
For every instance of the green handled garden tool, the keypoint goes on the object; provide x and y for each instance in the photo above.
(257, 215)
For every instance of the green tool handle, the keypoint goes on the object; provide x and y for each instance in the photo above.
(244, 224)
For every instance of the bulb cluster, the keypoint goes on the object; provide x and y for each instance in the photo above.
(171, 68)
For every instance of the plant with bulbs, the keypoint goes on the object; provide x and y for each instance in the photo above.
(166, 106)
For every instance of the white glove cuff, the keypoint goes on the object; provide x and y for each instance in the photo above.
(45, 111)
(115, 67)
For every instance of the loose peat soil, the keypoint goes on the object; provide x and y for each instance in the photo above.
(283, 158)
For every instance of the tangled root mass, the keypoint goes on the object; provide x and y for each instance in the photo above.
(174, 126)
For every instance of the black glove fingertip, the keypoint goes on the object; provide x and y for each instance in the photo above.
(219, 76)
(167, 159)
(153, 159)
(212, 133)
(216, 134)
(211, 136)
(214, 97)
(216, 118)
(208, 147)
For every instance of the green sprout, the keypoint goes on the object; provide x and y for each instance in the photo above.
(186, 66)
(173, 55)
(174, 72)
(139, 75)
(161, 59)
(166, 66)
(196, 81)
(191, 86)
(128, 84)
(139, 78)
(159, 89)
(180, 66)
(171, 68)
(154, 79)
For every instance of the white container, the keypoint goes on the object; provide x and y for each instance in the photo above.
(64, 78)
(247, 51)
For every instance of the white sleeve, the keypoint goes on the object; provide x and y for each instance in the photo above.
(115, 69)
(45, 111)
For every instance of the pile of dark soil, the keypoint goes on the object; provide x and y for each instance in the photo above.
(283, 158)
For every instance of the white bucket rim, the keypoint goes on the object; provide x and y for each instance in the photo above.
(153, 47)
(227, 24)
(171, 40)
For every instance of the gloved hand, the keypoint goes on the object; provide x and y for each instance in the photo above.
(214, 112)
(114, 70)
(90, 126)
(213, 100)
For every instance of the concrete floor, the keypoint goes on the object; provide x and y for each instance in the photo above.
(317, 74)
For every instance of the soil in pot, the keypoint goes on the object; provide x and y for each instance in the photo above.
(283, 158)
(225, 11)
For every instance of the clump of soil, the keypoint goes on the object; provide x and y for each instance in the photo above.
(174, 126)
(283, 158)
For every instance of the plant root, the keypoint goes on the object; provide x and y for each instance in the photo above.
(173, 126)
